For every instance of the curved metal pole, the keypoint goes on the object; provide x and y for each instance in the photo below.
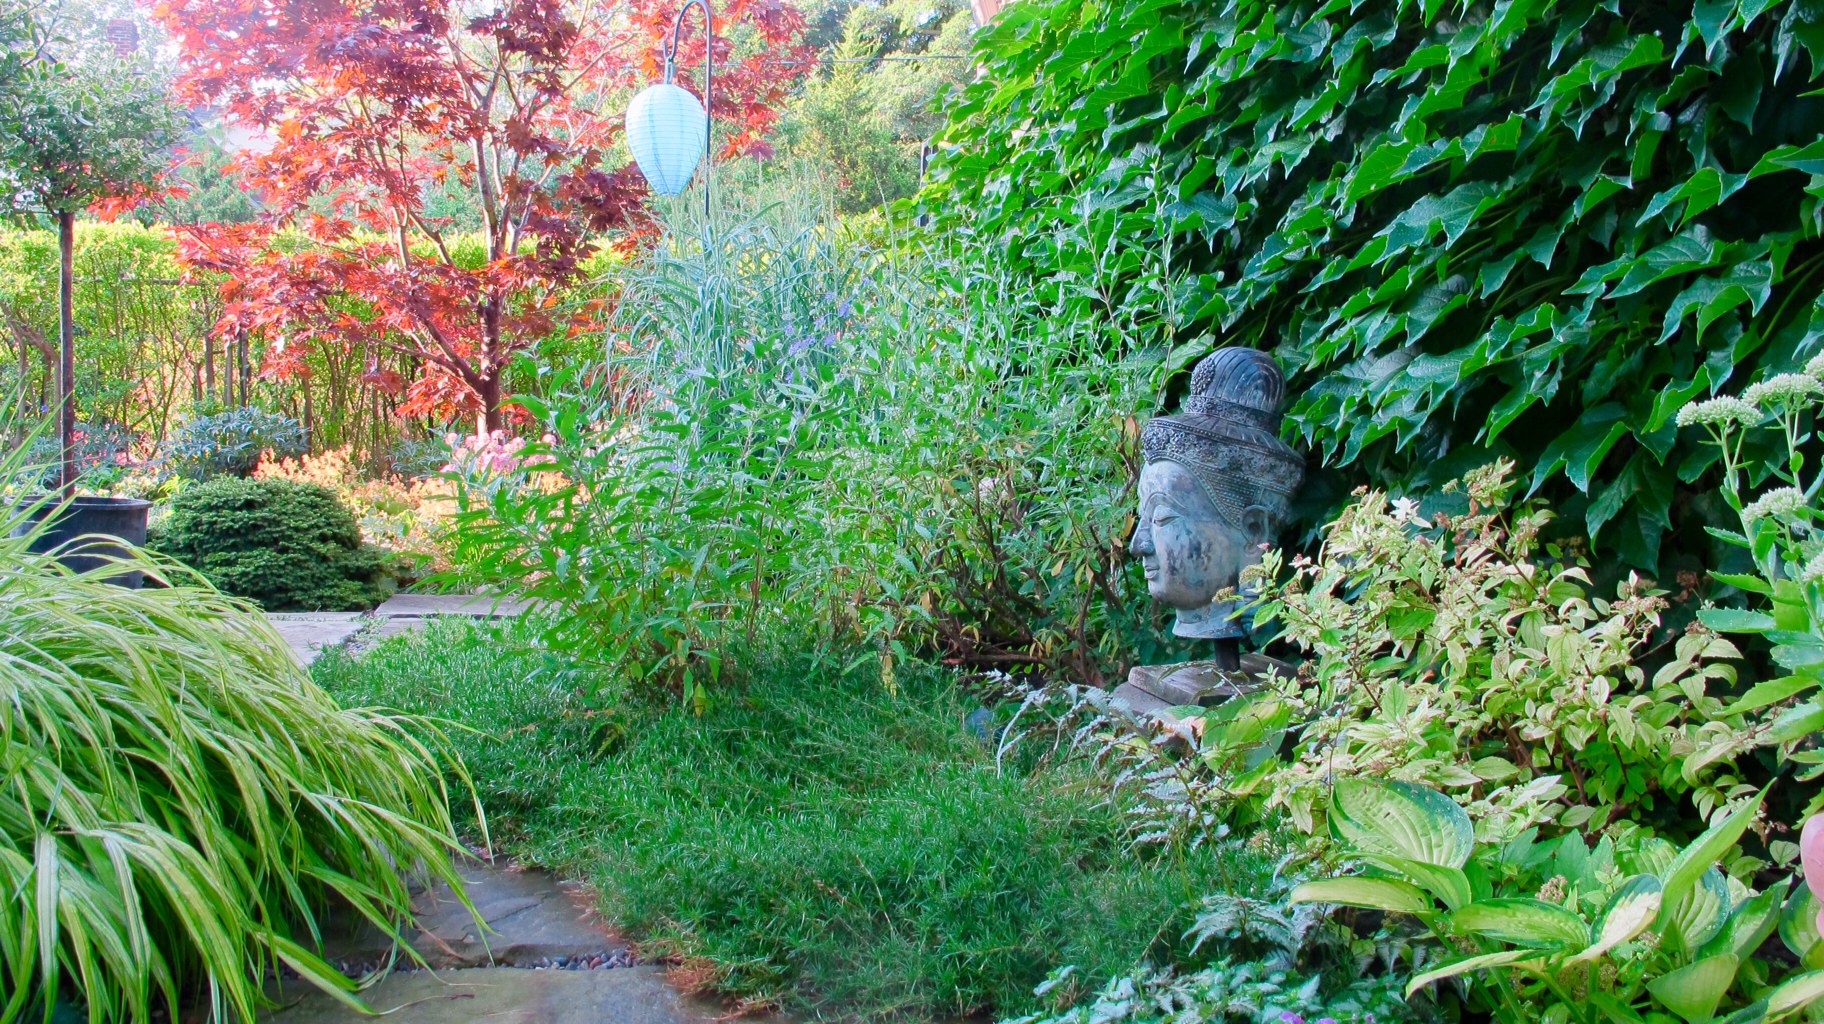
(709, 79)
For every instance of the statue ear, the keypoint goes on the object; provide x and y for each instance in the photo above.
(1257, 524)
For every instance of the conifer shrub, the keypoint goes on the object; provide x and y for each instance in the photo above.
(287, 546)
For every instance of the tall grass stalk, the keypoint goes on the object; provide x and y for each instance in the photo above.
(178, 801)
(828, 427)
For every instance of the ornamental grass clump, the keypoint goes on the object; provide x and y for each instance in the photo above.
(180, 803)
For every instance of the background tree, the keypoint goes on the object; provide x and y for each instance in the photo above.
(868, 112)
(375, 114)
(79, 125)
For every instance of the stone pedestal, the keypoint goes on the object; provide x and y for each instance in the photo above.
(1156, 689)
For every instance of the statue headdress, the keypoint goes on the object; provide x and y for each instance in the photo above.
(1227, 435)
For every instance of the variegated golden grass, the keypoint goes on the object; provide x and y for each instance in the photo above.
(179, 803)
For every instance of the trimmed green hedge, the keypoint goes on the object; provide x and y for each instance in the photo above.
(1468, 229)
(287, 546)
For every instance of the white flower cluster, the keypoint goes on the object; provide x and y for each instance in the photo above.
(1815, 366)
(1813, 572)
(1784, 387)
(1718, 412)
(1777, 502)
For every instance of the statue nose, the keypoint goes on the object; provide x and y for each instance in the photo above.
(1142, 544)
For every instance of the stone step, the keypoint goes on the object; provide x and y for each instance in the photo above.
(419, 606)
(530, 917)
(626, 995)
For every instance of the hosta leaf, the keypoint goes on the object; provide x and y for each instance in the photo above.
(1399, 819)
(1694, 990)
(1526, 922)
(1373, 893)
(1701, 913)
(1475, 963)
(1795, 994)
(1630, 911)
(1703, 853)
(1449, 885)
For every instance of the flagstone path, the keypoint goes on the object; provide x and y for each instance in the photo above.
(540, 957)
(309, 634)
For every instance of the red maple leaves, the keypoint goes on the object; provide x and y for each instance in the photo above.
(370, 116)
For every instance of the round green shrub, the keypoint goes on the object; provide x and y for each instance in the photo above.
(286, 545)
(232, 442)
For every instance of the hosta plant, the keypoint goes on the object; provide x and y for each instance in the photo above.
(181, 802)
(1761, 440)
(1556, 931)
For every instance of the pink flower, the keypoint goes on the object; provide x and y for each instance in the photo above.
(1811, 855)
(453, 439)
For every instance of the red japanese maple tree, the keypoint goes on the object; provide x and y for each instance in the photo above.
(366, 107)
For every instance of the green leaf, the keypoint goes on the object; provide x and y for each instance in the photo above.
(1522, 921)
(1694, 990)
(1772, 691)
(1799, 923)
(1372, 893)
(1796, 723)
(1743, 581)
(1704, 852)
(1399, 819)
(1475, 963)
(1630, 911)
(1735, 620)
(1447, 884)
(1795, 994)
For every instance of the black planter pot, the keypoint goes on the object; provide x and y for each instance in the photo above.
(123, 518)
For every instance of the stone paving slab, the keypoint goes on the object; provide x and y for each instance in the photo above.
(484, 606)
(531, 916)
(308, 633)
(627, 995)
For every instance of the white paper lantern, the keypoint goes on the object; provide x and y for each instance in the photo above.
(668, 132)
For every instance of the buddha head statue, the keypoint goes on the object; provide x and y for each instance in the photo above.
(1217, 487)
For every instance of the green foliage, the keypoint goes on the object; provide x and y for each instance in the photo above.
(156, 842)
(879, 446)
(287, 546)
(233, 443)
(842, 844)
(139, 330)
(1467, 229)
(1562, 930)
(1448, 649)
(869, 112)
(79, 124)
(209, 194)
(1276, 963)
(1762, 438)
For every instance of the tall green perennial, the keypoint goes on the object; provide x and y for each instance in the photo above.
(1469, 229)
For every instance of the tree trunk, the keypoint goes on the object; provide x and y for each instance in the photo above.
(66, 358)
(490, 419)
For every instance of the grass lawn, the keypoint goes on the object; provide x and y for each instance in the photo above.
(846, 851)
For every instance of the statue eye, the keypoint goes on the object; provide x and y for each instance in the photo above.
(1162, 516)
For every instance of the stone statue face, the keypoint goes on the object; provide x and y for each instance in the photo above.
(1188, 550)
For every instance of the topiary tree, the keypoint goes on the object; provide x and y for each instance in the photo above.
(78, 126)
(1470, 229)
(287, 546)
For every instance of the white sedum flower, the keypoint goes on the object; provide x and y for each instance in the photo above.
(1815, 367)
(1406, 510)
(1718, 412)
(1778, 502)
(1813, 572)
(1782, 388)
